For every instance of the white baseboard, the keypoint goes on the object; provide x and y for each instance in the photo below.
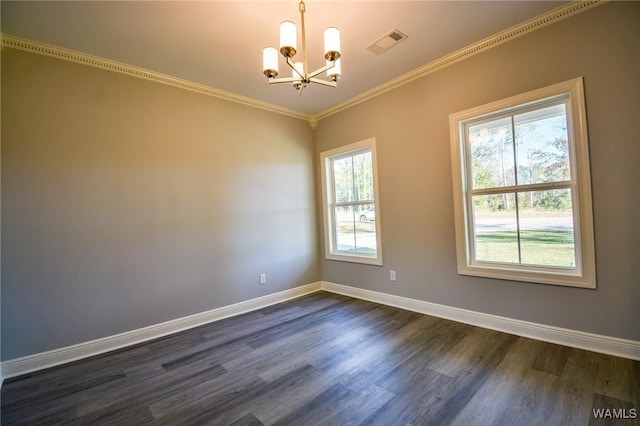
(578, 339)
(40, 361)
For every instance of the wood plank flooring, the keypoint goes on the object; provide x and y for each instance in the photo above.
(326, 359)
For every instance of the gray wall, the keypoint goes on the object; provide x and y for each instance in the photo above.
(126, 203)
(411, 127)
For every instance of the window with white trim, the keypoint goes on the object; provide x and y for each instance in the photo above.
(522, 188)
(350, 203)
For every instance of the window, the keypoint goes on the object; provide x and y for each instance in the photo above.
(522, 195)
(350, 202)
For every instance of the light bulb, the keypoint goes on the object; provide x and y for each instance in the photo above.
(298, 66)
(335, 72)
(332, 43)
(288, 39)
(270, 62)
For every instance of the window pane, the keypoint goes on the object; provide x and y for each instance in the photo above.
(491, 154)
(546, 228)
(495, 228)
(356, 229)
(343, 177)
(543, 145)
(366, 229)
(353, 178)
(363, 177)
(345, 229)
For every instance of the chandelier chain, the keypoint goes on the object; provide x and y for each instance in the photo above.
(305, 78)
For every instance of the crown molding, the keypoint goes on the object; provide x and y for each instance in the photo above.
(119, 67)
(525, 27)
(533, 24)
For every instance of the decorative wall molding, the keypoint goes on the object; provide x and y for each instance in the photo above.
(533, 24)
(40, 361)
(577, 339)
(106, 64)
(560, 13)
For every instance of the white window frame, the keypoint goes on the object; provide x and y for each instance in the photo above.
(584, 273)
(328, 203)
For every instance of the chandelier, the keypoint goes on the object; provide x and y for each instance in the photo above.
(300, 71)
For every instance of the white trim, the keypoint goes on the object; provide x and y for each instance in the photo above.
(551, 17)
(577, 339)
(584, 274)
(119, 67)
(39, 361)
(327, 179)
(593, 342)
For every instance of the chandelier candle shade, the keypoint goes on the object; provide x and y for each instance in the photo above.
(300, 71)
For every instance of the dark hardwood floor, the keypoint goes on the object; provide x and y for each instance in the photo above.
(326, 359)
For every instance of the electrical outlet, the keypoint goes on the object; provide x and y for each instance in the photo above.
(392, 275)
(263, 278)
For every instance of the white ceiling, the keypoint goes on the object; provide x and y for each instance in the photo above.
(219, 43)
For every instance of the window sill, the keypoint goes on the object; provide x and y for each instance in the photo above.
(554, 277)
(365, 260)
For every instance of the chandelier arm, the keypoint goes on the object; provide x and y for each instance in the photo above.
(292, 66)
(321, 70)
(282, 80)
(324, 82)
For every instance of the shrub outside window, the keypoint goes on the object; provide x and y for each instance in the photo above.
(522, 193)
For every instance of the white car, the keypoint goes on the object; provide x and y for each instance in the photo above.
(367, 215)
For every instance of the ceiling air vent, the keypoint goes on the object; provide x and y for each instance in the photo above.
(387, 41)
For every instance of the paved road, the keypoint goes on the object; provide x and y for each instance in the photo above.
(533, 223)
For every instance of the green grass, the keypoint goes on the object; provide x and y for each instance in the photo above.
(362, 250)
(346, 229)
(550, 248)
